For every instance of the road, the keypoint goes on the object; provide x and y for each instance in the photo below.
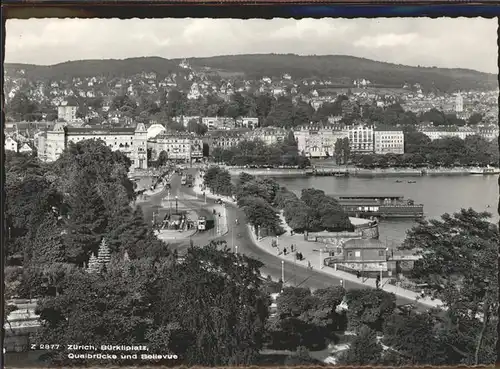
(295, 275)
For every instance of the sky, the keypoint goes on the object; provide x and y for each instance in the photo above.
(444, 42)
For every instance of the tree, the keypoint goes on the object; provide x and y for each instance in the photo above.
(162, 158)
(196, 127)
(458, 261)
(475, 119)
(364, 349)
(370, 307)
(261, 215)
(87, 221)
(338, 151)
(415, 339)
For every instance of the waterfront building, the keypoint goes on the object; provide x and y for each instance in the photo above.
(318, 141)
(224, 139)
(10, 144)
(66, 113)
(361, 138)
(268, 135)
(388, 141)
(129, 140)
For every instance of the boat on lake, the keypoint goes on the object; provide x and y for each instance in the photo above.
(383, 206)
(484, 171)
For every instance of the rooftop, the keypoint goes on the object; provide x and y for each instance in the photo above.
(363, 244)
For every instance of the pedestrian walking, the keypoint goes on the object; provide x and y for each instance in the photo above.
(377, 282)
(358, 274)
(284, 251)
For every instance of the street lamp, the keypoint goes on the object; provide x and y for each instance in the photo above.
(321, 258)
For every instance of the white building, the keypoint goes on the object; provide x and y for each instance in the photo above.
(459, 103)
(10, 144)
(248, 122)
(268, 135)
(435, 133)
(361, 138)
(26, 149)
(130, 141)
(389, 142)
(178, 146)
(66, 113)
(317, 141)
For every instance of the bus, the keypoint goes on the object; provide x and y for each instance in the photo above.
(202, 223)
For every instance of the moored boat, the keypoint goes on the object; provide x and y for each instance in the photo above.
(383, 206)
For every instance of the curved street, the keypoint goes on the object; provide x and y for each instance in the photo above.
(238, 235)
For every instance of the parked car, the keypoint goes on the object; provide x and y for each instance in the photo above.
(219, 201)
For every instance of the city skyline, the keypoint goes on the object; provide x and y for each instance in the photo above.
(412, 41)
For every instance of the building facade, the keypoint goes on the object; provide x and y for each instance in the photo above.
(268, 135)
(177, 145)
(218, 122)
(130, 141)
(10, 144)
(389, 142)
(435, 133)
(66, 113)
(224, 139)
(318, 141)
(361, 139)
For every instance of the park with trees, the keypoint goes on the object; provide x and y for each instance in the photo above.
(212, 308)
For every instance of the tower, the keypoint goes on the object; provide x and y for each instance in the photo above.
(140, 160)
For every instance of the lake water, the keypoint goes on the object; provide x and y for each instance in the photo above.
(439, 194)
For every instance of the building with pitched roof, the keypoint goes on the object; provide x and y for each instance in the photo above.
(129, 140)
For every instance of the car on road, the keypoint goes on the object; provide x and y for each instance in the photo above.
(219, 201)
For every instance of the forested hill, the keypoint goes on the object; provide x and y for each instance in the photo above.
(90, 68)
(347, 68)
(339, 69)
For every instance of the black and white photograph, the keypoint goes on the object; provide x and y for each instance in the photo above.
(227, 192)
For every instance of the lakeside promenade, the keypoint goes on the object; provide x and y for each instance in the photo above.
(349, 171)
(313, 258)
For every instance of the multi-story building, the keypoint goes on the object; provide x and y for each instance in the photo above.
(218, 122)
(10, 144)
(177, 145)
(66, 113)
(224, 139)
(361, 138)
(389, 141)
(459, 103)
(489, 133)
(268, 135)
(318, 141)
(196, 149)
(248, 122)
(129, 140)
(435, 133)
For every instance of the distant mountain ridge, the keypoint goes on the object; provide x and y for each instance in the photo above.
(341, 69)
